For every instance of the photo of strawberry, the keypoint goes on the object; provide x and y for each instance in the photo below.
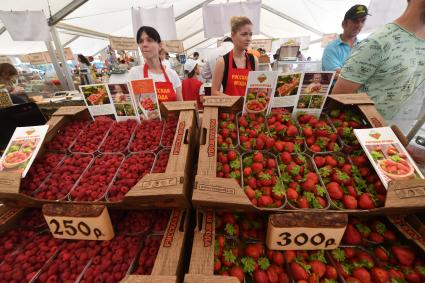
(285, 132)
(148, 104)
(311, 266)
(344, 122)
(344, 182)
(227, 133)
(253, 133)
(319, 134)
(257, 99)
(261, 181)
(302, 183)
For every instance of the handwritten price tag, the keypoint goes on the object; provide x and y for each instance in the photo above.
(294, 231)
(77, 222)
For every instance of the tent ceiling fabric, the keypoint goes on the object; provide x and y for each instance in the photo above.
(114, 18)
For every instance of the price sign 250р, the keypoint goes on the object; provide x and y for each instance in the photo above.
(80, 227)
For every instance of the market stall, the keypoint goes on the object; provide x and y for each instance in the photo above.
(285, 183)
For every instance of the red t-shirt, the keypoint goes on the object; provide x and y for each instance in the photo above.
(190, 90)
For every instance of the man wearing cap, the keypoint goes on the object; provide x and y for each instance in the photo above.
(389, 65)
(191, 85)
(337, 51)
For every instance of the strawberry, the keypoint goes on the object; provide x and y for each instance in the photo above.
(237, 272)
(298, 271)
(381, 253)
(379, 275)
(366, 202)
(227, 131)
(334, 190)
(351, 235)
(362, 274)
(403, 254)
(349, 202)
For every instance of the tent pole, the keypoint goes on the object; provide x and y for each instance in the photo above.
(191, 10)
(71, 40)
(65, 11)
(55, 63)
(59, 49)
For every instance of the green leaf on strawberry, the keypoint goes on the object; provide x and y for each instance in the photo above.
(319, 255)
(286, 178)
(229, 256)
(229, 229)
(263, 263)
(279, 188)
(420, 269)
(264, 176)
(295, 170)
(297, 148)
(381, 228)
(320, 190)
(330, 281)
(234, 175)
(312, 200)
(247, 160)
(235, 164)
(363, 228)
(248, 264)
(300, 261)
(258, 194)
(324, 172)
(338, 254)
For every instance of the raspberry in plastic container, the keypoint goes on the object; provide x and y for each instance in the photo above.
(70, 262)
(147, 136)
(66, 136)
(32, 219)
(113, 261)
(12, 240)
(119, 136)
(161, 161)
(91, 138)
(131, 171)
(39, 171)
(170, 128)
(138, 222)
(95, 181)
(22, 265)
(148, 255)
(64, 177)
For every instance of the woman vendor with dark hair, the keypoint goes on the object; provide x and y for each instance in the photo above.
(167, 82)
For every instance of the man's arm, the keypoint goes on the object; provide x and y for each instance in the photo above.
(344, 86)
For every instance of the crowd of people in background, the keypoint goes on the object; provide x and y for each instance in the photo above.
(388, 65)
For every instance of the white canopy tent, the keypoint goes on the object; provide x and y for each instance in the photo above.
(279, 19)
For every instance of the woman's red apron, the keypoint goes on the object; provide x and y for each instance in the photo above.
(237, 78)
(164, 90)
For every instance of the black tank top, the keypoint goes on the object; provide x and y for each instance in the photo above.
(226, 67)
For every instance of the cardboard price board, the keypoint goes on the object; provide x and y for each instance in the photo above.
(146, 98)
(124, 103)
(313, 92)
(265, 44)
(123, 43)
(388, 156)
(175, 46)
(67, 52)
(259, 92)
(79, 221)
(37, 58)
(302, 231)
(97, 99)
(22, 149)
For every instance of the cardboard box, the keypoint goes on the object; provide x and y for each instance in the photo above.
(168, 266)
(214, 192)
(171, 189)
(201, 268)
